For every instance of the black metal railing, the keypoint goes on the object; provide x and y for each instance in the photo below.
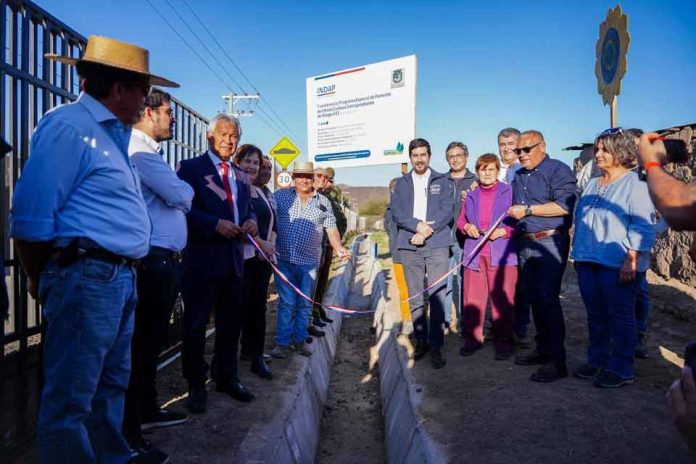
(30, 85)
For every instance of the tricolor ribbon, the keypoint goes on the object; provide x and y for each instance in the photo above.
(460, 263)
(284, 278)
(340, 309)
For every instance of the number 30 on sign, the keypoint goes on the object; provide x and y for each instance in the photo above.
(284, 179)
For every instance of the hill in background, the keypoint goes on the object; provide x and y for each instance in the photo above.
(369, 200)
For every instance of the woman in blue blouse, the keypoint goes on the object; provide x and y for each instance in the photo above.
(614, 232)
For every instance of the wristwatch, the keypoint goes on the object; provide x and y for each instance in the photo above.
(528, 211)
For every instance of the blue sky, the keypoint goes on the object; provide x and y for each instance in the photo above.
(482, 66)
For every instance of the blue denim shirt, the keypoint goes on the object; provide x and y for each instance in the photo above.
(79, 182)
(550, 181)
(612, 219)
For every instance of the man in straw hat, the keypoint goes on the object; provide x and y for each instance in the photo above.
(80, 223)
(303, 214)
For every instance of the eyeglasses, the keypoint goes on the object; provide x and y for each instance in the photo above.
(319, 175)
(518, 151)
(458, 155)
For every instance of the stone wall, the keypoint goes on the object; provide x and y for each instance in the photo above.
(669, 257)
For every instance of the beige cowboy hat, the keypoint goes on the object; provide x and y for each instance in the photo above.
(303, 167)
(116, 54)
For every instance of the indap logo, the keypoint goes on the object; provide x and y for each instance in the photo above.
(326, 90)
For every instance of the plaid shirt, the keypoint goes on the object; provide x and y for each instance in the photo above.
(300, 229)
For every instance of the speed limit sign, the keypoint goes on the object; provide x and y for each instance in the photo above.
(284, 179)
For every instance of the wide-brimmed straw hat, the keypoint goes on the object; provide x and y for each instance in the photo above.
(303, 167)
(116, 54)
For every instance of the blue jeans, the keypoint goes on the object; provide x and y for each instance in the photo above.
(89, 308)
(642, 303)
(610, 318)
(293, 310)
(454, 286)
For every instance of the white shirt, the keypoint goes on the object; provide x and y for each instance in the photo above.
(420, 195)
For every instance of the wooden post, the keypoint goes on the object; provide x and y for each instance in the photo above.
(614, 112)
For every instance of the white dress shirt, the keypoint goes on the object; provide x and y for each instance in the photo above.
(420, 195)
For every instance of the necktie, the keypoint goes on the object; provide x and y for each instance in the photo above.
(228, 188)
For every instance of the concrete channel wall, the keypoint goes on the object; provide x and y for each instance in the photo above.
(293, 435)
(407, 441)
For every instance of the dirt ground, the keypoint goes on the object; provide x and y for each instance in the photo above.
(214, 436)
(352, 429)
(486, 410)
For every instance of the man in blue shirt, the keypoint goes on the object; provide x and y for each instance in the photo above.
(422, 206)
(544, 195)
(168, 199)
(79, 222)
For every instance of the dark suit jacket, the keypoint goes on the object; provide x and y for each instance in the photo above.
(208, 254)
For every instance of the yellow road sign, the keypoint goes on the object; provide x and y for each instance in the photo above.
(284, 152)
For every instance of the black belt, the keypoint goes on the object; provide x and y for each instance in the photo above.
(165, 253)
(82, 248)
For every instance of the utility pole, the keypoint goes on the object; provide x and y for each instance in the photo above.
(232, 98)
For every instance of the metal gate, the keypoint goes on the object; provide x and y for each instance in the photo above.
(30, 85)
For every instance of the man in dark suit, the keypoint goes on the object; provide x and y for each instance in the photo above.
(219, 220)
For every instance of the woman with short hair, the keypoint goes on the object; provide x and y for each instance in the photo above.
(257, 271)
(614, 232)
(492, 271)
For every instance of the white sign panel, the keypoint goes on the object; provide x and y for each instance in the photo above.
(362, 116)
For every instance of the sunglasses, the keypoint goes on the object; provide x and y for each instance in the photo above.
(612, 130)
(518, 151)
(319, 175)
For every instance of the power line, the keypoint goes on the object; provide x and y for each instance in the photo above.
(212, 36)
(171, 26)
(214, 57)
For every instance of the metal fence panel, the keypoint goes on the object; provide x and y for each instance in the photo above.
(30, 85)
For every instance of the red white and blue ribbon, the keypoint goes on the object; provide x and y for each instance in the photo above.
(285, 279)
(467, 259)
(340, 309)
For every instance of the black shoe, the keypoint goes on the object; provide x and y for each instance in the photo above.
(316, 322)
(550, 372)
(468, 351)
(502, 355)
(421, 349)
(163, 418)
(436, 358)
(308, 340)
(326, 318)
(608, 379)
(143, 452)
(314, 332)
(523, 341)
(530, 359)
(236, 390)
(586, 372)
(197, 402)
(260, 368)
